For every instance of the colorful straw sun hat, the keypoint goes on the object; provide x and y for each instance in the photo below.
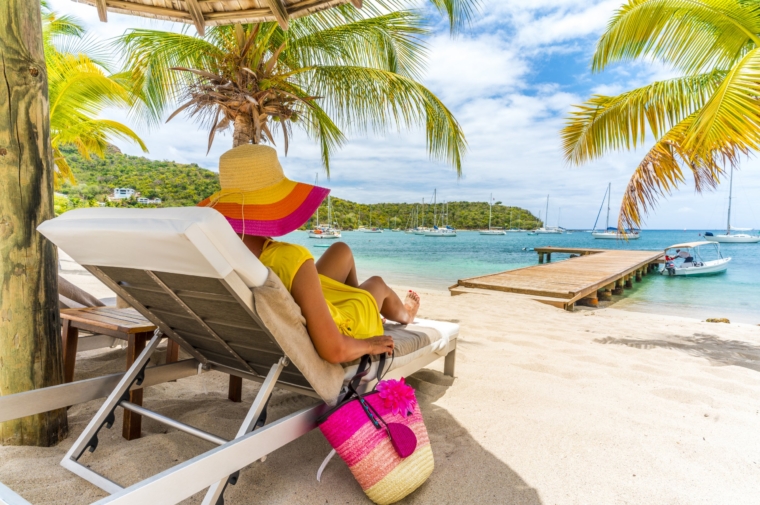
(257, 198)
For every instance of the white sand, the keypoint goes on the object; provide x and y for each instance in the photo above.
(548, 407)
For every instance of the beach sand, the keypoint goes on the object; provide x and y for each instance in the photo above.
(548, 407)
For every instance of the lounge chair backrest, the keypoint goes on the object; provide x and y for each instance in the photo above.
(189, 273)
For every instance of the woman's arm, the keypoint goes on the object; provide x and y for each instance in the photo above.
(330, 343)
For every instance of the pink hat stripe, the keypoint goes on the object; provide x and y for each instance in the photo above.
(279, 227)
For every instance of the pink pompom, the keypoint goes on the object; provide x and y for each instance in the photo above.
(397, 396)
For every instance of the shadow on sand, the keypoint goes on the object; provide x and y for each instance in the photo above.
(718, 351)
(465, 472)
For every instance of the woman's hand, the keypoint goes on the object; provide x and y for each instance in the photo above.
(380, 345)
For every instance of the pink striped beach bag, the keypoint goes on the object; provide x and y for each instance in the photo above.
(381, 436)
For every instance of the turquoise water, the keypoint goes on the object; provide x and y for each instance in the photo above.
(437, 263)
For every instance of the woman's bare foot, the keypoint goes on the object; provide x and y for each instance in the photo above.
(412, 304)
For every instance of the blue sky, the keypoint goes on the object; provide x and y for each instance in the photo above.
(510, 80)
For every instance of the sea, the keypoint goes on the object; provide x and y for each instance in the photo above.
(437, 263)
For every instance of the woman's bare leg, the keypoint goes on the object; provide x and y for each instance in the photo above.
(337, 263)
(389, 303)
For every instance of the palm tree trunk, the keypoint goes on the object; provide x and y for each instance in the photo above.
(243, 130)
(30, 343)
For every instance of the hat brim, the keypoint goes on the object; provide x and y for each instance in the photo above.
(268, 212)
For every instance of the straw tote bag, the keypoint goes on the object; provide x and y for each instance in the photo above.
(386, 447)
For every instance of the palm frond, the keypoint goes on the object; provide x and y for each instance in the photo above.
(693, 35)
(608, 123)
(151, 54)
(662, 170)
(390, 42)
(364, 98)
(732, 115)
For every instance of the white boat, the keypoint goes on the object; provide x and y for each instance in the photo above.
(491, 231)
(440, 232)
(371, 229)
(692, 261)
(611, 233)
(444, 231)
(544, 230)
(325, 231)
(728, 237)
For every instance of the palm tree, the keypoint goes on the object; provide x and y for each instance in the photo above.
(80, 88)
(328, 73)
(702, 121)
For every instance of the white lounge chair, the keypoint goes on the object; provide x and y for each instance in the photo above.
(190, 274)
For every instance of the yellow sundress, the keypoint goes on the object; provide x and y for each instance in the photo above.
(354, 310)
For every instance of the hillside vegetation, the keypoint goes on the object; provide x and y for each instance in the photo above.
(176, 184)
(461, 215)
(179, 185)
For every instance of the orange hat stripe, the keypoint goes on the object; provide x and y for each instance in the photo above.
(268, 212)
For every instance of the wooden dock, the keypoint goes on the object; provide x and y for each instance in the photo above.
(595, 274)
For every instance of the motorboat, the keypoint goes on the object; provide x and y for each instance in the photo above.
(689, 259)
(492, 231)
(610, 232)
(729, 237)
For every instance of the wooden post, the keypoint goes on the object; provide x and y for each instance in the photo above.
(70, 343)
(628, 282)
(31, 353)
(235, 392)
(618, 289)
(589, 301)
(549, 257)
(540, 257)
(133, 422)
(605, 295)
(638, 275)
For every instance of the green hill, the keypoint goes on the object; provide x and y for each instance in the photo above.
(175, 184)
(180, 185)
(461, 215)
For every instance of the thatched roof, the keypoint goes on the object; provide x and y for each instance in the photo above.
(204, 13)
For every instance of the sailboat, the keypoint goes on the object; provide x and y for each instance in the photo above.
(735, 238)
(446, 230)
(491, 231)
(371, 229)
(611, 233)
(325, 231)
(544, 230)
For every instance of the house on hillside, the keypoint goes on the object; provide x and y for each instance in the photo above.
(122, 193)
(149, 201)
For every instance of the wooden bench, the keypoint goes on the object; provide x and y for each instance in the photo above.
(122, 323)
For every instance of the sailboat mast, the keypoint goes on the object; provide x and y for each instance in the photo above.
(490, 203)
(435, 208)
(546, 216)
(730, 197)
(609, 191)
(423, 212)
(316, 183)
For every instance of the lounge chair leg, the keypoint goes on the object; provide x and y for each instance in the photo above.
(250, 423)
(89, 437)
(235, 393)
(449, 362)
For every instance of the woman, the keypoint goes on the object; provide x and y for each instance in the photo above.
(342, 316)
